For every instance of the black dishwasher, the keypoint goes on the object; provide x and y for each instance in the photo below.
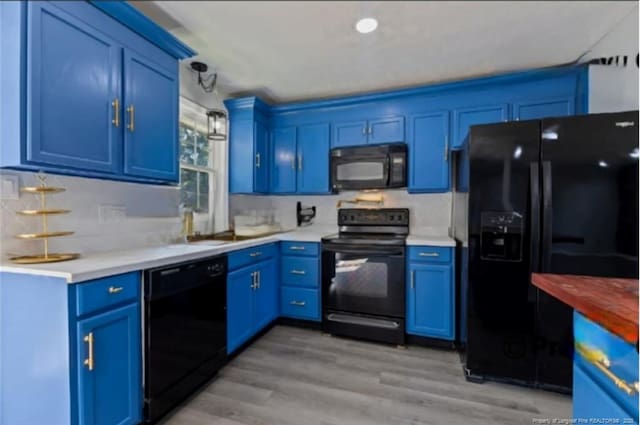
(185, 331)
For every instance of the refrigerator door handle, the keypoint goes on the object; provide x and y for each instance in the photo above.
(547, 218)
(534, 230)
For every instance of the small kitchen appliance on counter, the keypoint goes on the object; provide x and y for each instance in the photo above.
(304, 215)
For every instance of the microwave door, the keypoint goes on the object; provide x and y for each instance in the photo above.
(361, 173)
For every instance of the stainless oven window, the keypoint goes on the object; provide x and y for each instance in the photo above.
(361, 171)
(359, 277)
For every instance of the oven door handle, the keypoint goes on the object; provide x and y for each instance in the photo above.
(394, 252)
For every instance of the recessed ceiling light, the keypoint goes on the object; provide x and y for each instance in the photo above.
(366, 25)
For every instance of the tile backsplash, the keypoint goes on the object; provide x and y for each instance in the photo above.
(428, 212)
(105, 215)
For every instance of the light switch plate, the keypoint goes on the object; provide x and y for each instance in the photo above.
(9, 187)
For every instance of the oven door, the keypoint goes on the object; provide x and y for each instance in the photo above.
(364, 279)
(360, 172)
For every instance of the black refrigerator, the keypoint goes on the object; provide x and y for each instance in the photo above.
(557, 195)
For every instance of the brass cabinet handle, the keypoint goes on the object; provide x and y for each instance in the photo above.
(413, 279)
(302, 272)
(446, 148)
(132, 117)
(116, 112)
(89, 360)
(258, 160)
(115, 289)
(602, 363)
(298, 303)
(255, 254)
(429, 254)
(296, 248)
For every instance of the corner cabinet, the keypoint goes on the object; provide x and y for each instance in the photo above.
(94, 97)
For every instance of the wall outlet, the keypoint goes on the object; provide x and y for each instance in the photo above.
(111, 213)
(9, 187)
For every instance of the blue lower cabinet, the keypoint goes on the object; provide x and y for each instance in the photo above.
(266, 295)
(430, 301)
(240, 319)
(300, 271)
(109, 368)
(300, 303)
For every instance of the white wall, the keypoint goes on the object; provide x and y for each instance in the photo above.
(615, 88)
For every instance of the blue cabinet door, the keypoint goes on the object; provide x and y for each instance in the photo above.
(429, 153)
(313, 158)
(240, 289)
(283, 175)
(266, 295)
(73, 76)
(466, 117)
(430, 301)
(241, 156)
(351, 133)
(261, 165)
(109, 371)
(531, 110)
(150, 119)
(386, 130)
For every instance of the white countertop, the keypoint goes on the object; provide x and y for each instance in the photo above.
(101, 264)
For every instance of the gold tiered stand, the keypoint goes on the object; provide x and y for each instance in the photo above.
(47, 257)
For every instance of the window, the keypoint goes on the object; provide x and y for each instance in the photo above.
(197, 173)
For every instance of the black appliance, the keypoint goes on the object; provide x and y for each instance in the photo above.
(363, 275)
(369, 167)
(558, 195)
(185, 331)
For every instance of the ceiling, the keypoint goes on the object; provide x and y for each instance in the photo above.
(288, 51)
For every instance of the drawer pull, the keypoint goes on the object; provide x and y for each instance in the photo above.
(115, 289)
(296, 248)
(298, 303)
(255, 254)
(301, 272)
(429, 254)
(602, 362)
(88, 362)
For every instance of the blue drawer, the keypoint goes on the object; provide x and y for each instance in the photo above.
(299, 248)
(300, 271)
(300, 303)
(244, 257)
(604, 357)
(99, 294)
(432, 254)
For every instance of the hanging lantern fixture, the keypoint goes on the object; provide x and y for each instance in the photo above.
(216, 125)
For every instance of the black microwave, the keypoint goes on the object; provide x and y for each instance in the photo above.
(369, 167)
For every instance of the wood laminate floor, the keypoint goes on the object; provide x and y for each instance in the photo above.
(295, 376)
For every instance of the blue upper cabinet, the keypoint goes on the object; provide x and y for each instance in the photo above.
(530, 110)
(150, 107)
(375, 131)
(429, 160)
(466, 117)
(283, 174)
(109, 370)
(352, 133)
(261, 149)
(70, 126)
(313, 158)
(70, 73)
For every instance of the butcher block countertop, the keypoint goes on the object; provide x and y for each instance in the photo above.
(610, 302)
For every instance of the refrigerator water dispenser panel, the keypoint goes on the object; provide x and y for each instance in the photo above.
(501, 236)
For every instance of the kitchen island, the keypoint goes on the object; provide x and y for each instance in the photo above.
(605, 369)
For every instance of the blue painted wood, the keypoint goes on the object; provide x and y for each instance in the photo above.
(463, 118)
(313, 158)
(151, 128)
(261, 160)
(111, 392)
(240, 307)
(537, 109)
(253, 255)
(138, 22)
(283, 175)
(300, 271)
(431, 301)
(69, 126)
(241, 156)
(105, 293)
(299, 248)
(351, 133)
(623, 359)
(432, 254)
(266, 295)
(386, 130)
(593, 404)
(429, 157)
(34, 350)
(300, 303)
